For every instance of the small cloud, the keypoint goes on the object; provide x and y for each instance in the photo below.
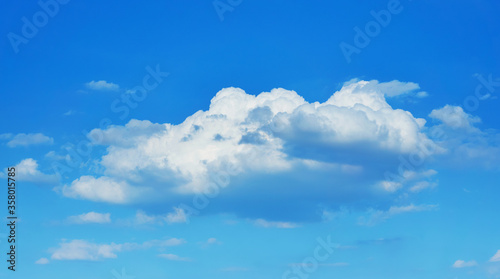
(496, 257)
(173, 257)
(462, 264)
(209, 242)
(42, 261)
(390, 186)
(102, 85)
(455, 117)
(270, 224)
(54, 156)
(422, 94)
(69, 112)
(27, 170)
(320, 264)
(178, 216)
(380, 216)
(26, 139)
(419, 186)
(91, 217)
(88, 251)
(234, 269)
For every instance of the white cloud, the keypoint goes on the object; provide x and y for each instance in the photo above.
(173, 257)
(69, 112)
(42, 261)
(422, 185)
(271, 224)
(339, 264)
(91, 217)
(102, 85)
(352, 138)
(422, 94)
(26, 139)
(178, 216)
(100, 189)
(84, 250)
(211, 241)
(455, 117)
(462, 264)
(390, 186)
(496, 257)
(27, 170)
(234, 269)
(377, 216)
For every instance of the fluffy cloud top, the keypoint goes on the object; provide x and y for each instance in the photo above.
(27, 170)
(455, 117)
(102, 85)
(26, 139)
(355, 133)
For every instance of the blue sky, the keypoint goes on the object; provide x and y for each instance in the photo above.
(252, 139)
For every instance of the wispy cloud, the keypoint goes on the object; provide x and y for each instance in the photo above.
(496, 257)
(91, 217)
(42, 261)
(377, 216)
(272, 224)
(462, 264)
(173, 257)
(85, 250)
(102, 85)
(26, 139)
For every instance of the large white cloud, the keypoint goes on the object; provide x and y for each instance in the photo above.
(354, 134)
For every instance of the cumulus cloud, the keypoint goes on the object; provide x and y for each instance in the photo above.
(100, 189)
(84, 250)
(462, 264)
(342, 147)
(496, 257)
(26, 139)
(27, 170)
(102, 85)
(91, 217)
(465, 143)
(377, 216)
(455, 117)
